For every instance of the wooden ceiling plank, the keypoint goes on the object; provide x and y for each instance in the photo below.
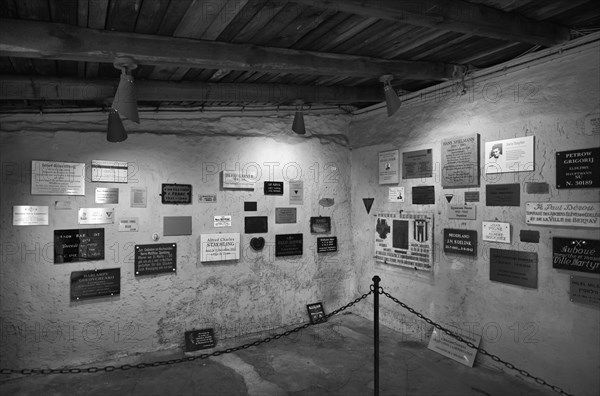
(62, 11)
(230, 10)
(446, 42)
(314, 37)
(491, 51)
(347, 29)
(173, 15)
(8, 9)
(309, 20)
(97, 14)
(277, 24)
(391, 40)
(259, 21)
(6, 67)
(242, 18)
(66, 42)
(455, 15)
(151, 16)
(198, 18)
(82, 20)
(366, 37)
(416, 42)
(33, 9)
(122, 15)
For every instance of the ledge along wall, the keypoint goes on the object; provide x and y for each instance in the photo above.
(41, 327)
(539, 330)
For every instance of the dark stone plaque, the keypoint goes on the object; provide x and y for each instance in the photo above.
(285, 215)
(316, 314)
(537, 188)
(176, 194)
(577, 254)
(327, 244)
(578, 168)
(423, 195)
(514, 267)
(585, 290)
(196, 340)
(250, 206)
(417, 164)
(78, 245)
(288, 245)
(320, 225)
(460, 161)
(98, 283)
(273, 188)
(462, 242)
(155, 258)
(503, 194)
(529, 236)
(256, 224)
(471, 196)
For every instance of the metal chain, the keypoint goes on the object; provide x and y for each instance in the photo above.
(186, 359)
(471, 345)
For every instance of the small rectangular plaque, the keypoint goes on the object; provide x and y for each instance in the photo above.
(138, 198)
(320, 225)
(207, 198)
(510, 155)
(537, 188)
(396, 194)
(288, 245)
(514, 267)
(196, 340)
(296, 192)
(177, 225)
(285, 215)
(495, 231)
(530, 236)
(585, 290)
(128, 224)
(30, 215)
(222, 221)
(417, 164)
(273, 188)
(250, 206)
(316, 314)
(238, 180)
(78, 245)
(462, 212)
(388, 167)
(109, 171)
(574, 214)
(98, 283)
(471, 196)
(326, 244)
(450, 347)
(176, 194)
(503, 194)
(256, 224)
(578, 168)
(576, 254)
(107, 195)
(57, 178)
(96, 216)
(423, 195)
(155, 258)
(460, 161)
(462, 242)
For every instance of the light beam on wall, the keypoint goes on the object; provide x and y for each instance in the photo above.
(391, 98)
(125, 102)
(298, 124)
(116, 131)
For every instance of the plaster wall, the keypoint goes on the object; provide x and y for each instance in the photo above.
(539, 330)
(41, 327)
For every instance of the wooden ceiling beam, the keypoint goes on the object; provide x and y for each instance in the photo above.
(454, 15)
(54, 88)
(34, 39)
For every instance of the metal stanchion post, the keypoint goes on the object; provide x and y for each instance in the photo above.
(376, 280)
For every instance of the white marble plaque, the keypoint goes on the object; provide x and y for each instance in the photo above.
(219, 247)
(573, 214)
(495, 231)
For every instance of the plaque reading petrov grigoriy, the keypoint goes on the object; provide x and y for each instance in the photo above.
(578, 168)
(155, 258)
(95, 283)
(86, 244)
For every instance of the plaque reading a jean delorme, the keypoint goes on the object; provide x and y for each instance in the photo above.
(514, 267)
(460, 162)
(578, 168)
(576, 254)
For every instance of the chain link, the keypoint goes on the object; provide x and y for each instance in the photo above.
(471, 345)
(186, 359)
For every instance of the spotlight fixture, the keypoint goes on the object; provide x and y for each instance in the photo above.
(116, 130)
(391, 98)
(298, 124)
(125, 101)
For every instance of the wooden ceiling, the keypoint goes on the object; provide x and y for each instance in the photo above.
(58, 54)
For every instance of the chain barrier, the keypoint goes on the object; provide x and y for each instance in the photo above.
(186, 359)
(471, 345)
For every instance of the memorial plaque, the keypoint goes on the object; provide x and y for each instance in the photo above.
(585, 290)
(288, 245)
(514, 267)
(78, 245)
(576, 254)
(129, 224)
(222, 221)
(285, 215)
(176, 194)
(537, 188)
(177, 225)
(471, 196)
(107, 195)
(273, 188)
(219, 247)
(510, 155)
(320, 225)
(297, 192)
(388, 167)
(250, 207)
(529, 236)
(316, 314)
(578, 168)
(574, 214)
(462, 212)
(196, 340)
(109, 171)
(96, 283)
(423, 195)
(462, 242)
(96, 216)
(138, 198)
(450, 347)
(156, 258)
(57, 178)
(238, 180)
(326, 244)
(460, 162)
(256, 224)
(396, 194)
(495, 231)
(503, 194)
(207, 198)
(417, 164)
(24, 215)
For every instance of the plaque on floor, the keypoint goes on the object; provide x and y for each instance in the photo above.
(316, 314)
(423, 195)
(196, 340)
(78, 245)
(585, 290)
(514, 267)
(288, 245)
(95, 283)
(326, 244)
(273, 188)
(450, 347)
(578, 168)
(576, 254)
(155, 258)
(503, 194)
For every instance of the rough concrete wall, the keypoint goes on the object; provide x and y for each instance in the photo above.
(41, 327)
(539, 330)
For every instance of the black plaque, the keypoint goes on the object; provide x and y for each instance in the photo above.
(503, 194)
(250, 206)
(537, 188)
(155, 258)
(417, 164)
(423, 195)
(256, 224)
(78, 245)
(462, 242)
(316, 313)
(576, 254)
(460, 161)
(326, 244)
(320, 225)
(176, 194)
(273, 188)
(471, 196)
(288, 245)
(514, 267)
(578, 168)
(530, 236)
(196, 340)
(98, 283)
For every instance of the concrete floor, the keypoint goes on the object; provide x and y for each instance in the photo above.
(334, 358)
